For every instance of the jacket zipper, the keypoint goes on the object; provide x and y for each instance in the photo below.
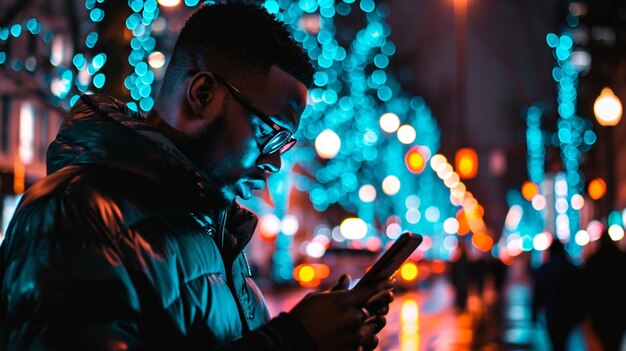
(231, 281)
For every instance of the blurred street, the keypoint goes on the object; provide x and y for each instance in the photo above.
(426, 319)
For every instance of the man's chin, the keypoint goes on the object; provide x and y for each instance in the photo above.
(244, 191)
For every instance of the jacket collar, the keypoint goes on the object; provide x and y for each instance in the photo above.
(103, 131)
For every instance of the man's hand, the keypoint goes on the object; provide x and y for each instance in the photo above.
(341, 319)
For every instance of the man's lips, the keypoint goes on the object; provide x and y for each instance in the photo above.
(256, 183)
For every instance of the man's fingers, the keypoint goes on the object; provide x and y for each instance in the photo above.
(369, 338)
(362, 294)
(380, 301)
(378, 323)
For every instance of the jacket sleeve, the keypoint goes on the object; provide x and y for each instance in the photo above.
(63, 284)
(283, 333)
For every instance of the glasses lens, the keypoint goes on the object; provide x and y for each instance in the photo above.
(288, 145)
(277, 142)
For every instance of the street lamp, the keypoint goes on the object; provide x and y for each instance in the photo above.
(608, 111)
(607, 108)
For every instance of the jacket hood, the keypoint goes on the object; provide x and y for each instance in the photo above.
(102, 131)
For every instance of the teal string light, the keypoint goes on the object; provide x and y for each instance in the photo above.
(64, 78)
(574, 134)
(352, 90)
(140, 81)
(535, 145)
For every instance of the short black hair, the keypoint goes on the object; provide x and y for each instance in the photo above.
(238, 35)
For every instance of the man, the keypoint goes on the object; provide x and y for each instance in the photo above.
(135, 241)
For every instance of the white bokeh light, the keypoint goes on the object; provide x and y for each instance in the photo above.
(391, 185)
(389, 122)
(289, 225)
(406, 134)
(367, 193)
(542, 241)
(393, 231)
(451, 225)
(353, 228)
(270, 225)
(413, 215)
(581, 238)
(327, 144)
(616, 232)
(315, 249)
(539, 202)
(577, 201)
(432, 214)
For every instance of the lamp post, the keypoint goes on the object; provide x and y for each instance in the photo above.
(608, 111)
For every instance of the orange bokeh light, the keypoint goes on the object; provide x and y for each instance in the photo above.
(482, 241)
(529, 190)
(438, 266)
(596, 188)
(415, 160)
(409, 271)
(461, 217)
(310, 274)
(466, 163)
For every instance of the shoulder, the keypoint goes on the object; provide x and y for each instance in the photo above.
(84, 199)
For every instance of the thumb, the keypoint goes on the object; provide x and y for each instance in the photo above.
(343, 283)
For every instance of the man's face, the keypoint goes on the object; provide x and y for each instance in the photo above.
(232, 142)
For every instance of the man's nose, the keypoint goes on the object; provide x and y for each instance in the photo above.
(270, 163)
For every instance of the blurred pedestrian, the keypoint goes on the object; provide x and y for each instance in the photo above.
(604, 281)
(460, 276)
(557, 297)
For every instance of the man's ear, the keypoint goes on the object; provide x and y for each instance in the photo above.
(200, 92)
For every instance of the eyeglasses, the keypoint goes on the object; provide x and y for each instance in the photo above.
(281, 140)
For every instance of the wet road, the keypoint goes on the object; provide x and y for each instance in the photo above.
(426, 319)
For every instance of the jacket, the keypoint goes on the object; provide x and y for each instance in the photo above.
(125, 245)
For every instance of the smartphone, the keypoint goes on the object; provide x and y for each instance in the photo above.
(392, 259)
